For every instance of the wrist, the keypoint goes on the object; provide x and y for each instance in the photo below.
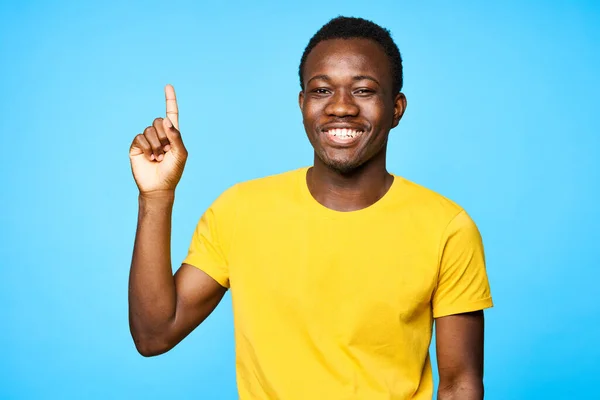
(167, 194)
(157, 198)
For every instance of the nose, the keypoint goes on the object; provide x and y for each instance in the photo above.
(342, 105)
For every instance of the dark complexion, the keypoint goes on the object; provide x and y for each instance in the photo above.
(349, 86)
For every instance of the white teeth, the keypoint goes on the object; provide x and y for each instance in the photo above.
(344, 132)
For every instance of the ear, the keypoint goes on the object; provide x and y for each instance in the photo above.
(399, 108)
(301, 100)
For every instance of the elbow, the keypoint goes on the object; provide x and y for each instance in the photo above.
(147, 352)
(151, 348)
(150, 345)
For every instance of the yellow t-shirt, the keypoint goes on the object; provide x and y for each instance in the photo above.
(338, 305)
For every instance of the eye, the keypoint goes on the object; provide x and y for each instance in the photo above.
(364, 92)
(321, 91)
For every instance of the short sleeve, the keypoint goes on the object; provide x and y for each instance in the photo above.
(462, 282)
(212, 238)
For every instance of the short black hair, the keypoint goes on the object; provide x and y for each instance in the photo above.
(350, 28)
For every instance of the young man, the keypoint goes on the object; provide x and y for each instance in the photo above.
(336, 271)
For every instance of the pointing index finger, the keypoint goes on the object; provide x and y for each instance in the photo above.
(172, 110)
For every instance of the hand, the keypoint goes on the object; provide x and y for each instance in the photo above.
(158, 155)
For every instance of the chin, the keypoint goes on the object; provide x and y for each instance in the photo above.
(341, 166)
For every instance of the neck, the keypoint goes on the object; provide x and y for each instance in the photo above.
(351, 191)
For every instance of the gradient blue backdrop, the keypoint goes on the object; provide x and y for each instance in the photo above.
(502, 117)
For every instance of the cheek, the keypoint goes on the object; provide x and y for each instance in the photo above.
(309, 115)
(377, 112)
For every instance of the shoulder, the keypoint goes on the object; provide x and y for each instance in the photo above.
(432, 210)
(271, 190)
(263, 190)
(271, 183)
(421, 199)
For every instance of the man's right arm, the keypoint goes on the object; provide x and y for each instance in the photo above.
(163, 309)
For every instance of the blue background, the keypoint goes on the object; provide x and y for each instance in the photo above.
(502, 118)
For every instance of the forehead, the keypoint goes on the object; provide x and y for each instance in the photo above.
(355, 56)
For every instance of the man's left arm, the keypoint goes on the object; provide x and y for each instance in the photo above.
(461, 294)
(459, 348)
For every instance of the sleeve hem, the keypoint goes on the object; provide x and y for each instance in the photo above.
(214, 273)
(463, 307)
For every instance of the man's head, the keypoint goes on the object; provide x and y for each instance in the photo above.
(351, 76)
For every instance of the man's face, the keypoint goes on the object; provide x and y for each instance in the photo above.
(347, 104)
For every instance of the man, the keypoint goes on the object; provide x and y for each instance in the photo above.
(336, 271)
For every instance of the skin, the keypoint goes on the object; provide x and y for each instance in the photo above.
(459, 348)
(163, 309)
(348, 83)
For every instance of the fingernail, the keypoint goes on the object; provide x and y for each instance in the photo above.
(167, 147)
(160, 157)
(168, 123)
(151, 156)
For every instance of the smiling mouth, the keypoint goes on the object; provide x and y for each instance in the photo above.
(343, 133)
(342, 137)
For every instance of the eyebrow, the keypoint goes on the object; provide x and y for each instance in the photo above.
(354, 78)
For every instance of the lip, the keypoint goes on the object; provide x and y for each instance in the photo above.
(338, 142)
(342, 125)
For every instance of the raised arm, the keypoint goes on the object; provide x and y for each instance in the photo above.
(163, 309)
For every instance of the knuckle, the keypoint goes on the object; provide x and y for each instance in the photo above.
(157, 121)
(148, 130)
(155, 146)
(139, 139)
(161, 133)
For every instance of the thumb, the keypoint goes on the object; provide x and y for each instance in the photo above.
(174, 136)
